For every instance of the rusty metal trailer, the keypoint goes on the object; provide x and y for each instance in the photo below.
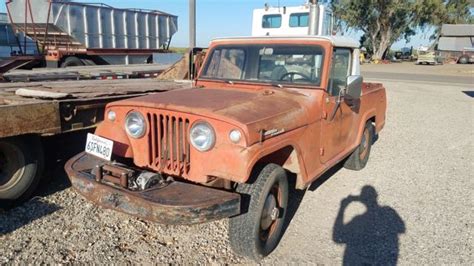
(32, 110)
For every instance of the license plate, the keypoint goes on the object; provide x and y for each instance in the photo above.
(99, 147)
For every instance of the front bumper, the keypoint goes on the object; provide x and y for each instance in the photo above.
(176, 203)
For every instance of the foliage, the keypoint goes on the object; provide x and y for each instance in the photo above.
(383, 22)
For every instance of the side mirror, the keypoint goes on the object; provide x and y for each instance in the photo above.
(354, 87)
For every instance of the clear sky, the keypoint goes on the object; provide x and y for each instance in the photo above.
(220, 18)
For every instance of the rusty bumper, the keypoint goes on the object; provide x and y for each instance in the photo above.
(176, 203)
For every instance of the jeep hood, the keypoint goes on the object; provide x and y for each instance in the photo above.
(252, 110)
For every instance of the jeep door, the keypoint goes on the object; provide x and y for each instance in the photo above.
(338, 121)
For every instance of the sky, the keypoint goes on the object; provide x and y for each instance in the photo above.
(223, 18)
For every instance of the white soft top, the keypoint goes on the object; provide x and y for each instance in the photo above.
(338, 41)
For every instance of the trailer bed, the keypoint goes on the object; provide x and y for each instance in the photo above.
(87, 72)
(63, 106)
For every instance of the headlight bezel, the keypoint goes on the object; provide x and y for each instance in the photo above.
(213, 136)
(143, 129)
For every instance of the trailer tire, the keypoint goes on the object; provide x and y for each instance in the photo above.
(463, 60)
(257, 232)
(360, 156)
(72, 61)
(21, 165)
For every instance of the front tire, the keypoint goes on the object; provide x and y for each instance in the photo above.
(257, 232)
(21, 163)
(360, 156)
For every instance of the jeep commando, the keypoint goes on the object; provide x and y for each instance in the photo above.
(262, 110)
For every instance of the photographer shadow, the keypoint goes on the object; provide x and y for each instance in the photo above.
(371, 238)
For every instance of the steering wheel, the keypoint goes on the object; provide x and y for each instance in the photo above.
(292, 76)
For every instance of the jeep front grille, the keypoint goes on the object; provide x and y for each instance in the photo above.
(169, 148)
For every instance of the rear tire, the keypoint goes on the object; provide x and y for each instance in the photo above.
(21, 164)
(257, 232)
(463, 60)
(72, 61)
(360, 156)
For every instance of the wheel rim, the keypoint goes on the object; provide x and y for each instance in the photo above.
(11, 166)
(270, 213)
(364, 144)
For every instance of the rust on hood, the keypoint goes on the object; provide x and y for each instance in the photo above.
(255, 110)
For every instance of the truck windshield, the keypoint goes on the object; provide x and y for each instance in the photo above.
(276, 64)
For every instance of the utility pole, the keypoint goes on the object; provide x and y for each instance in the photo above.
(313, 17)
(192, 23)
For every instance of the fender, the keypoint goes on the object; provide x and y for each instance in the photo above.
(278, 143)
(371, 113)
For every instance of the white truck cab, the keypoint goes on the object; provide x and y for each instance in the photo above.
(290, 21)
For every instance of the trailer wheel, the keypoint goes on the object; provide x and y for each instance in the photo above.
(257, 232)
(21, 163)
(463, 60)
(72, 61)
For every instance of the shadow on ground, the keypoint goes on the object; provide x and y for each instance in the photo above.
(469, 93)
(23, 215)
(371, 238)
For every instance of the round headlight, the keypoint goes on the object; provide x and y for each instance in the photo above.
(202, 136)
(235, 136)
(135, 125)
(111, 115)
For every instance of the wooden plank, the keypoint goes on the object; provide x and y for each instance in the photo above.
(84, 72)
(41, 94)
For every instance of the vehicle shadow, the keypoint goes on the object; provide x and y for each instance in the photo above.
(296, 196)
(59, 149)
(371, 238)
(34, 209)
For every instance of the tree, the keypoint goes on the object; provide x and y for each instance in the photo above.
(383, 22)
(452, 12)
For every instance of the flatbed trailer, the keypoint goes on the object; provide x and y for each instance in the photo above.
(87, 72)
(30, 111)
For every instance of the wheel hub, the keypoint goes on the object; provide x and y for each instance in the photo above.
(364, 144)
(270, 212)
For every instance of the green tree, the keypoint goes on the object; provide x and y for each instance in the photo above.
(384, 22)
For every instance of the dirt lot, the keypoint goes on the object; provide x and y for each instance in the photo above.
(421, 168)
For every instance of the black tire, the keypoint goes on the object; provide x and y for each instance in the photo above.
(72, 61)
(360, 156)
(463, 60)
(21, 165)
(257, 232)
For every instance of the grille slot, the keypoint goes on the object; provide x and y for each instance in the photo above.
(169, 148)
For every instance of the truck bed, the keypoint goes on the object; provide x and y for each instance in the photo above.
(63, 106)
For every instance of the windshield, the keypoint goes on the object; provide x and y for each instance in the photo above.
(276, 64)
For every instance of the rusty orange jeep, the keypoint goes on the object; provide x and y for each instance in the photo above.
(261, 110)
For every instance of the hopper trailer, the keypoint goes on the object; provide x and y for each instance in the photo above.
(68, 33)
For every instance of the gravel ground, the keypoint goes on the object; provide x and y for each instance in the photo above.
(421, 168)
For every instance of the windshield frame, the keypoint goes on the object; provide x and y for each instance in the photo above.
(245, 47)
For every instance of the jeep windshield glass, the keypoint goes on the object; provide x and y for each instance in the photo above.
(275, 64)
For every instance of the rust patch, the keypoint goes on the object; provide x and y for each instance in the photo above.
(177, 203)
